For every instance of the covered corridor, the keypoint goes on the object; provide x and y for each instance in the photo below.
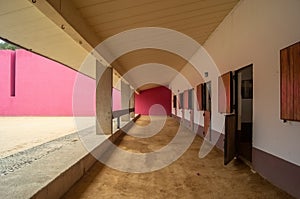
(225, 74)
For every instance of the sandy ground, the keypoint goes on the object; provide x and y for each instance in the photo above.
(21, 133)
(188, 177)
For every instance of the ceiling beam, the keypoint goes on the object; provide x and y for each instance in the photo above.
(68, 18)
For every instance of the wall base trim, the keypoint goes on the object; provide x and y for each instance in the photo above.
(279, 172)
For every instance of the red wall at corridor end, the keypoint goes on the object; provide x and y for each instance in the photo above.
(147, 98)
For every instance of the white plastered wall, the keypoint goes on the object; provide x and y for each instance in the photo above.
(178, 85)
(254, 32)
(203, 63)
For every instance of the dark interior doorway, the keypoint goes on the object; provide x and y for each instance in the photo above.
(238, 124)
(244, 111)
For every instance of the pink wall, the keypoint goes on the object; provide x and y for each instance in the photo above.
(42, 87)
(116, 99)
(159, 95)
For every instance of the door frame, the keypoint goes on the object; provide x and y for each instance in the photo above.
(231, 144)
(236, 109)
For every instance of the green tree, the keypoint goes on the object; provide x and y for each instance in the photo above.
(7, 46)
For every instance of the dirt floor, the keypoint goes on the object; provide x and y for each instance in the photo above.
(188, 177)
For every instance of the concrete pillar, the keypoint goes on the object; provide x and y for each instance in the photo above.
(103, 99)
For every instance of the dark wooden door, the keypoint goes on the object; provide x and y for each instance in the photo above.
(290, 81)
(199, 95)
(230, 135)
(206, 115)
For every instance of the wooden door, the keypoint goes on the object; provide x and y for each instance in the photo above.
(199, 95)
(225, 93)
(191, 107)
(206, 115)
(230, 135)
(290, 81)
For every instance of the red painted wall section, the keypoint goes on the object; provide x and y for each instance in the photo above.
(155, 101)
(43, 87)
(5, 76)
(116, 99)
(84, 91)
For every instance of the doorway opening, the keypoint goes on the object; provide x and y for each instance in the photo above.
(238, 124)
(244, 111)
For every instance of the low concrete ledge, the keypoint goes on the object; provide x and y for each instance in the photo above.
(52, 176)
(62, 183)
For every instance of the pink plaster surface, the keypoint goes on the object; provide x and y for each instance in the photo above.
(155, 96)
(43, 87)
(116, 99)
(5, 76)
